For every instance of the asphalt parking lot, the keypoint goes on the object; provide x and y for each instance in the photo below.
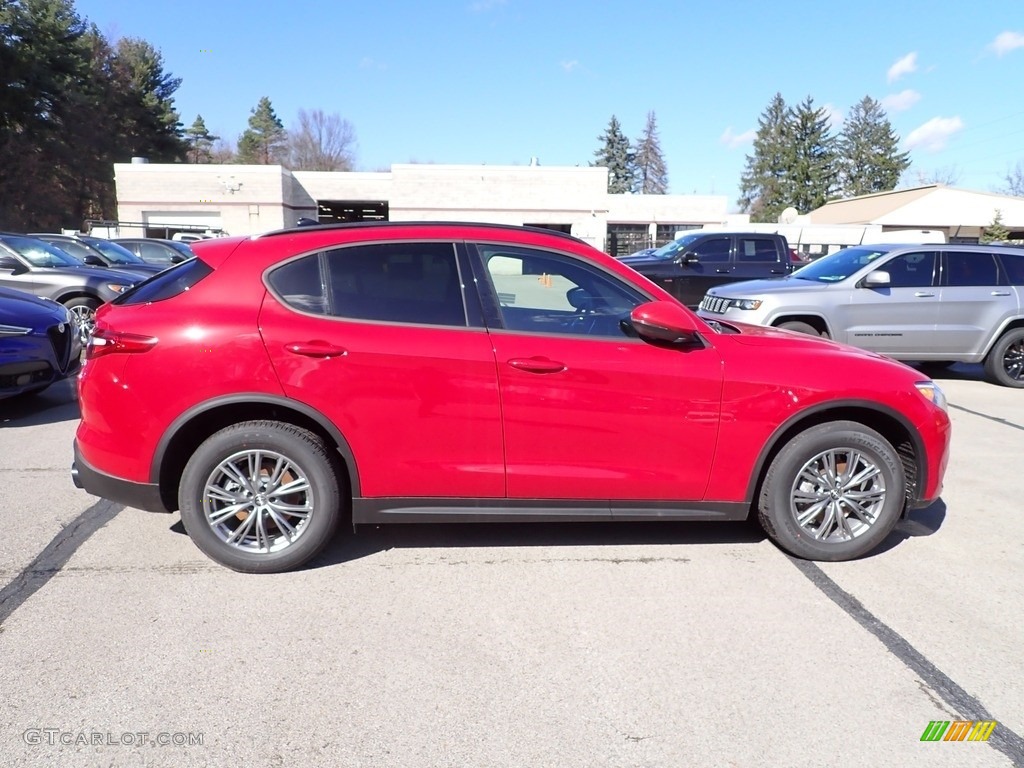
(541, 645)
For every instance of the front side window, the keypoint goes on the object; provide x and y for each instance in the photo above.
(970, 269)
(388, 282)
(715, 249)
(543, 292)
(911, 270)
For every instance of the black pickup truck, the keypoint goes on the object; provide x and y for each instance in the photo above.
(689, 266)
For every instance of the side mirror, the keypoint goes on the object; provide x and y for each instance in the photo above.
(94, 261)
(11, 263)
(665, 322)
(687, 258)
(877, 279)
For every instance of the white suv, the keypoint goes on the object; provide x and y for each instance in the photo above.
(931, 303)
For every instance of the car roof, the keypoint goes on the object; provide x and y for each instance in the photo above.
(359, 225)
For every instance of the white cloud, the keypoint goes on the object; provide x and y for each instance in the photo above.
(733, 140)
(933, 135)
(569, 66)
(834, 116)
(904, 66)
(1006, 42)
(900, 102)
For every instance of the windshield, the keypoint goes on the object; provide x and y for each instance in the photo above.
(117, 254)
(669, 250)
(839, 265)
(40, 254)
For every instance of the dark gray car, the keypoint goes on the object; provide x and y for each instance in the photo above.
(155, 250)
(30, 265)
(936, 304)
(97, 252)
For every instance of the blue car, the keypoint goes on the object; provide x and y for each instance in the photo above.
(39, 343)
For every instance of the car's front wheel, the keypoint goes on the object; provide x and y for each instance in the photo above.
(84, 309)
(261, 496)
(1005, 362)
(833, 492)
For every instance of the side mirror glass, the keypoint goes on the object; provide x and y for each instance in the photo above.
(877, 279)
(11, 263)
(665, 322)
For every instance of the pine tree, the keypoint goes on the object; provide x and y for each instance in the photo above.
(652, 175)
(616, 155)
(147, 123)
(263, 142)
(765, 186)
(200, 142)
(996, 232)
(869, 160)
(812, 176)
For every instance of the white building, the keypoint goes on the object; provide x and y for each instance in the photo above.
(159, 200)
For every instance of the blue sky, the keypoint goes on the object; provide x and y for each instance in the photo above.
(501, 81)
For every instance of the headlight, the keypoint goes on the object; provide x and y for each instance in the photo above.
(745, 303)
(118, 287)
(931, 391)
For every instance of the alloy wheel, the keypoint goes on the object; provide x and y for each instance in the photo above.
(838, 495)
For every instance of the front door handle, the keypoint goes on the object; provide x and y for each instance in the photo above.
(1000, 293)
(923, 294)
(315, 348)
(536, 365)
(722, 271)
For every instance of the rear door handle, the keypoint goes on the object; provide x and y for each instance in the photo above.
(315, 348)
(923, 294)
(1000, 293)
(536, 365)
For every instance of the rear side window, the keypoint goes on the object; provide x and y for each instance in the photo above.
(389, 282)
(757, 249)
(964, 268)
(1013, 266)
(167, 284)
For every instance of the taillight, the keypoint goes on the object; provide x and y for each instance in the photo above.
(105, 341)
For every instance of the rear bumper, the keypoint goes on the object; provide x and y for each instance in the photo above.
(144, 496)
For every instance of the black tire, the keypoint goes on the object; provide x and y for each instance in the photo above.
(84, 307)
(306, 459)
(1004, 364)
(779, 514)
(800, 327)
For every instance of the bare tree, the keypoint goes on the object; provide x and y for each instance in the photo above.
(1015, 180)
(948, 175)
(321, 142)
(222, 151)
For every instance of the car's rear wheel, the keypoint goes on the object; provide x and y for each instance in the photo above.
(834, 492)
(261, 496)
(800, 327)
(84, 309)
(1005, 362)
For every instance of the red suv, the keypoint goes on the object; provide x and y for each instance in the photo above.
(410, 372)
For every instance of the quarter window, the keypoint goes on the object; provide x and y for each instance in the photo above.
(1013, 266)
(911, 270)
(390, 282)
(542, 292)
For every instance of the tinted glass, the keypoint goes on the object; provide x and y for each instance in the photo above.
(965, 268)
(911, 270)
(393, 282)
(715, 249)
(757, 249)
(152, 252)
(40, 254)
(166, 284)
(839, 265)
(116, 254)
(542, 292)
(1013, 267)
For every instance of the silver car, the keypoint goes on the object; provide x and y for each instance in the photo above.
(938, 304)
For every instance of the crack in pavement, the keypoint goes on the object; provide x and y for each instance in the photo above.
(1003, 739)
(56, 554)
